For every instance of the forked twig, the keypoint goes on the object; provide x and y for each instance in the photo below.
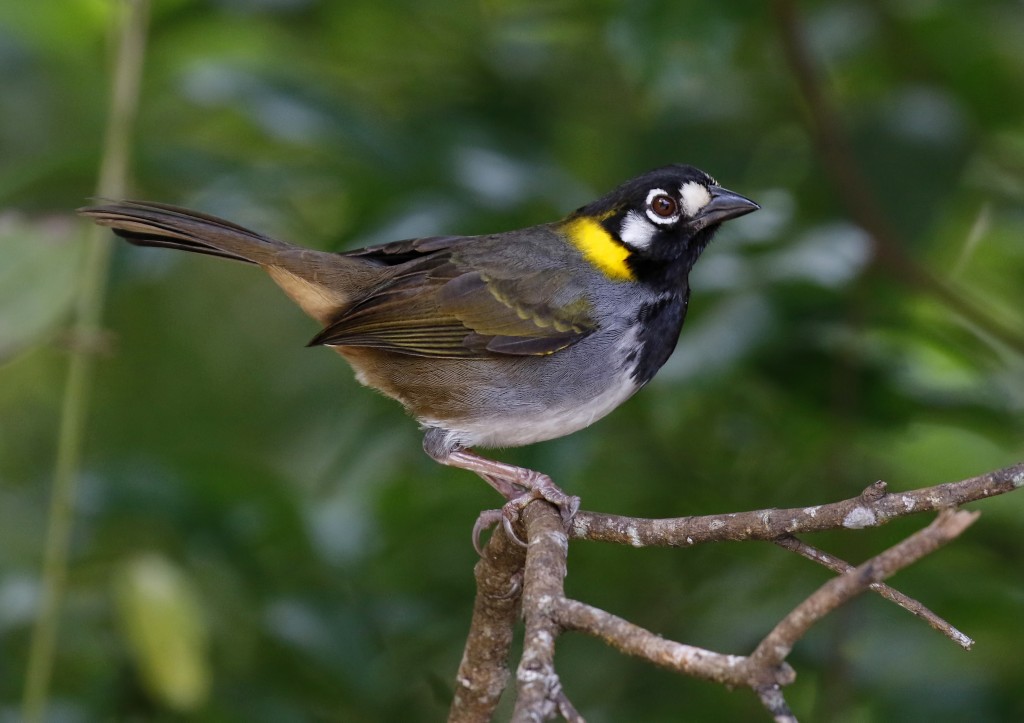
(891, 594)
(775, 646)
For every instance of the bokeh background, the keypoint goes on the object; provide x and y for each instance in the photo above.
(258, 538)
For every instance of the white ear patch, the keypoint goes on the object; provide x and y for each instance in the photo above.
(636, 231)
(694, 197)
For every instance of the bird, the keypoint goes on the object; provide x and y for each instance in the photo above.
(497, 340)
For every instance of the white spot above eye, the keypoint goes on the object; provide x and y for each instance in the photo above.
(636, 231)
(695, 196)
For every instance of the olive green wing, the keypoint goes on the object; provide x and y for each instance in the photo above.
(438, 304)
(516, 316)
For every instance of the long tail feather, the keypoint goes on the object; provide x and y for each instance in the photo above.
(321, 283)
(156, 224)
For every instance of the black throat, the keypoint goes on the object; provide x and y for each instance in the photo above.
(664, 269)
(660, 320)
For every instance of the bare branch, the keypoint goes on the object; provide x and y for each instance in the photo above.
(540, 694)
(873, 507)
(777, 644)
(483, 673)
(636, 641)
(547, 613)
(906, 602)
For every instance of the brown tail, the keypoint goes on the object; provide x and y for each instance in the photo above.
(321, 283)
(155, 224)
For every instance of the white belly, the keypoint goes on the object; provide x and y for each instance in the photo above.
(512, 431)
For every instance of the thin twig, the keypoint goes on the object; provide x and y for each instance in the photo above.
(775, 646)
(889, 593)
(88, 316)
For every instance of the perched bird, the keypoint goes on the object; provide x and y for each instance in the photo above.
(499, 340)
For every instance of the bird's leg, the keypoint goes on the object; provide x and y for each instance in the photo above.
(518, 485)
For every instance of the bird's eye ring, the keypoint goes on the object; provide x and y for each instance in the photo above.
(664, 206)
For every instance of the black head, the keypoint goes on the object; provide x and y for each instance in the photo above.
(664, 219)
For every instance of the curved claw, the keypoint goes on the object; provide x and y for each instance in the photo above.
(509, 514)
(568, 510)
(508, 518)
(489, 518)
(486, 519)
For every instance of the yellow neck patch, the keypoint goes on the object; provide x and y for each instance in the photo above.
(599, 248)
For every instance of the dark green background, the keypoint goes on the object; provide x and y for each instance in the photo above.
(327, 557)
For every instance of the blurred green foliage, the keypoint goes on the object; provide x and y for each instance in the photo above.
(319, 563)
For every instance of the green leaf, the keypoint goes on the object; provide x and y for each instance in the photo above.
(161, 616)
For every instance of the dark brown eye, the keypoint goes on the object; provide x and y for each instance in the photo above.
(664, 205)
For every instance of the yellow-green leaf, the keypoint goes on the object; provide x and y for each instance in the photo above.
(161, 617)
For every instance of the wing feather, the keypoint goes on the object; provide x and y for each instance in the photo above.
(436, 304)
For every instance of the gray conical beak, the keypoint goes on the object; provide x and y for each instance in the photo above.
(724, 204)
